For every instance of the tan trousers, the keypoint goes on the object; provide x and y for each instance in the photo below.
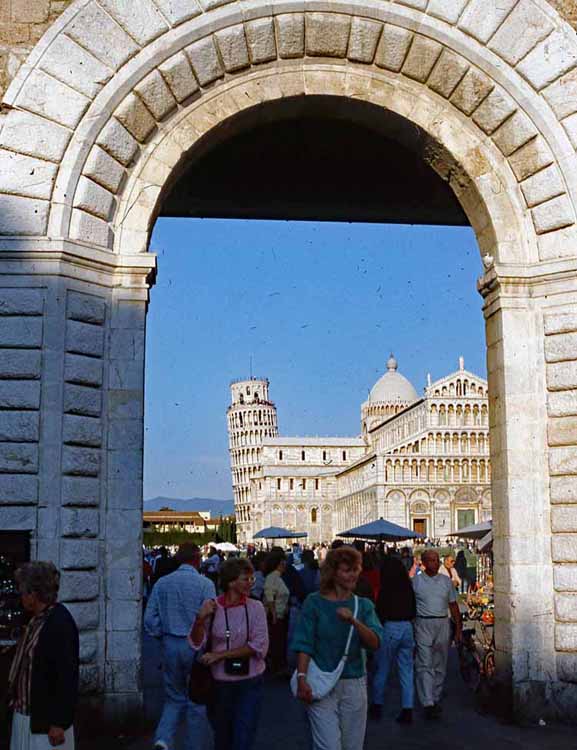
(339, 721)
(432, 642)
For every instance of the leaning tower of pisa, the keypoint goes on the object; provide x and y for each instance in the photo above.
(251, 417)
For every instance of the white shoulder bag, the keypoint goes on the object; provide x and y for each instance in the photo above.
(321, 683)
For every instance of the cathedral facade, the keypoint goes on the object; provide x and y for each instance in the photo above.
(420, 461)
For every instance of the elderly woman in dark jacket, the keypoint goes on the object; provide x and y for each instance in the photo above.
(43, 681)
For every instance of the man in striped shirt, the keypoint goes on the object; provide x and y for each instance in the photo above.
(170, 613)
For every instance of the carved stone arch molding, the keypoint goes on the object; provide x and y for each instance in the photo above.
(110, 84)
(93, 129)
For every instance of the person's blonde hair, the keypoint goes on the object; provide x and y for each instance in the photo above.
(344, 555)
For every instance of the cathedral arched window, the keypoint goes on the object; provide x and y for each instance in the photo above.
(280, 455)
(482, 471)
(303, 456)
(314, 515)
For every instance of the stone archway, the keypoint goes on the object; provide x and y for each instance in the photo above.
(97, 123)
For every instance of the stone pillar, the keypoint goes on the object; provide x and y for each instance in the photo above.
(71, 433)
(560, 327)
(123, 509)
(531, 364)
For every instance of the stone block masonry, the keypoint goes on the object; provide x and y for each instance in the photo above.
(561, 357)
(21, 334)
(22, 24)
(81, 465)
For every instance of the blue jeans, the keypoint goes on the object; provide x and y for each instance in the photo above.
(177, 657)
(236, 712)
(398, 646)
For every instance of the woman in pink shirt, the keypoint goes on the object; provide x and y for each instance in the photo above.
(239, 644)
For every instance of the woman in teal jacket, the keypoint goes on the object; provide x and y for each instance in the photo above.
(337, 721)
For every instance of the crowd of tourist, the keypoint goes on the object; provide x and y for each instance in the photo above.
(320, 615)
(315, 614)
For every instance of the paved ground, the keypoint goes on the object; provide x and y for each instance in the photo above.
(283, 724)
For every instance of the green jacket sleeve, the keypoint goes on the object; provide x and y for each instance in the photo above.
(303, 640)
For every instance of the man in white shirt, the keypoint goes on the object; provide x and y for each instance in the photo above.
(435, 595)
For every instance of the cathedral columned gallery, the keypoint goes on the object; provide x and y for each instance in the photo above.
(420, 461)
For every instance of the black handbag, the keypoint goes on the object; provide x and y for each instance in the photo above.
(239, 666)
(201, 687)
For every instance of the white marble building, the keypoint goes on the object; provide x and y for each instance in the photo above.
(427, 464)
(421, 462)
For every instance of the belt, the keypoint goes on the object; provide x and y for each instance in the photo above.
(431, 617)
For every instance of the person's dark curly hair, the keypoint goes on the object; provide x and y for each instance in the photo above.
(233, 569)
(345, 555)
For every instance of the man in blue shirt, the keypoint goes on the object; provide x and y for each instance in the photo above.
(170, 613)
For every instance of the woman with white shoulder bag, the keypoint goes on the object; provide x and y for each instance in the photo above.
(335, 629)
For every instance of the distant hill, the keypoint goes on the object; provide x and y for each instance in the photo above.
(216, 507)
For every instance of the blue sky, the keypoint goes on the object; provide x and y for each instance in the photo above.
(318, 307)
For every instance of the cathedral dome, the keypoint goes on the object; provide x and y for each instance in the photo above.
(393, 387)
